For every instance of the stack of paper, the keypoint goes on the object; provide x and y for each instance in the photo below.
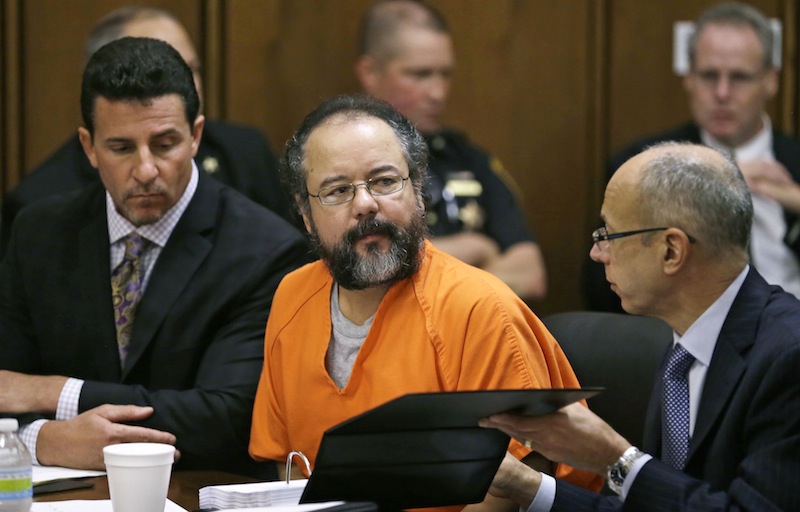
(261, 494)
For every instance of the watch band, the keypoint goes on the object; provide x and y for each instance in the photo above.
(618, 471)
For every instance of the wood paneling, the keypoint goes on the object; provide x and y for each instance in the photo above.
(52, 64)
(519, 89)
(645, 95)
(550, 86)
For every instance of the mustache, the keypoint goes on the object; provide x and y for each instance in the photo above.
(150, 188)
(373, 226)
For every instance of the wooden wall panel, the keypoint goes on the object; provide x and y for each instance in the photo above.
(52, 60)
(550, 86)
(519, 89)
(645, 95)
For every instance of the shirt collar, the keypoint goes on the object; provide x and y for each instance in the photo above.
(753, 149)
(701, 337)
(158, 232)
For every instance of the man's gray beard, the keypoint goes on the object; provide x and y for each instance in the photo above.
(355, 272)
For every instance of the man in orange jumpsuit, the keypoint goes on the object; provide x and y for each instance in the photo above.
(384, 313)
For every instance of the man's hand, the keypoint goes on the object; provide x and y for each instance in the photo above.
(771, 179)
(473, 248)
(764, 171)
(21, 393)
(515, 481)
(573, 435)
(78, 443)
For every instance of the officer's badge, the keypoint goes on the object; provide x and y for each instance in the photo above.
(210, 164)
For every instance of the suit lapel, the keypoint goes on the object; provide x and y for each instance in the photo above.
(728, 362)
(94, 275)
(186, 249)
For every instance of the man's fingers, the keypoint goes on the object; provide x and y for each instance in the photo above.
(121, 413)
(134, 434)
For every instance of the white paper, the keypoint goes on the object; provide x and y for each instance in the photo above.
(51, 473)
(289, 508)
(259, 494)
(90, 506)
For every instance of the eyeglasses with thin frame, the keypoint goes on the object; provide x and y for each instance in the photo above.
(736, 80)
(345, 192)
(601, 236)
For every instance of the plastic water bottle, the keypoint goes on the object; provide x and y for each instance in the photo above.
(16, 488)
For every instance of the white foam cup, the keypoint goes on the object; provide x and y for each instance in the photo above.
(138, 475)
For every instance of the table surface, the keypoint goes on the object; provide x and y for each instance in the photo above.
(184, 487)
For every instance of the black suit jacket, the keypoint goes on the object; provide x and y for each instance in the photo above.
(235, 155)
(197, 344)
(745, 450)
(787, 151)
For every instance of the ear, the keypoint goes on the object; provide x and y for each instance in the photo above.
(366, 69)
(88, 145)
(676, 250)
(197, 134)
(304, 215)
(771, 80)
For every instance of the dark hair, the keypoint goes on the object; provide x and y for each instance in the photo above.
(736, 14)
(137, 69)
(112, 26)
(386, 18)
(350, 107)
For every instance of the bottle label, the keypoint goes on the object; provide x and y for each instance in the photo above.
(15, 484)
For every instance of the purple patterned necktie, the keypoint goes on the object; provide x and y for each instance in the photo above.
(126, 286)
(675, 408)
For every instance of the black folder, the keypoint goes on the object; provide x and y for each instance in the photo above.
(424, 449)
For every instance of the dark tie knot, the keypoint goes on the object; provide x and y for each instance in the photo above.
(134, 246)
(679, 362)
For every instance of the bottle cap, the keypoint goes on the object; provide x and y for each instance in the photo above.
(9, 424)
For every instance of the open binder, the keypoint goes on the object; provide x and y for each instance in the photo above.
(425, 449)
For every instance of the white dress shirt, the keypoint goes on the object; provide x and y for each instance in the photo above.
(770, 255)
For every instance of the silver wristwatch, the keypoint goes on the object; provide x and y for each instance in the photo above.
(617, 471)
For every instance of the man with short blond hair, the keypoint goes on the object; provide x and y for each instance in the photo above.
(474, 213)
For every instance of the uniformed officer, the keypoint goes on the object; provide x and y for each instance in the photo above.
(406, 58)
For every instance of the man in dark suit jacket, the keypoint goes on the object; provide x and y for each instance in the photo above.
(677, 251)
(236, 155)
(202, 286)
(732, 77)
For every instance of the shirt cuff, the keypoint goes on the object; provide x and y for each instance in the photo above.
(545, 496)
(637, 466)
(67, 407)
(28, 434)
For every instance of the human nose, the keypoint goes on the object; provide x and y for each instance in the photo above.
(722, 87)
(598, 254)
(364, 203)
(144, 169)
(438, 88)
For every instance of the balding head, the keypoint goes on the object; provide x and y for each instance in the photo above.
(138, 21)
(694, 188)
(386, 19)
